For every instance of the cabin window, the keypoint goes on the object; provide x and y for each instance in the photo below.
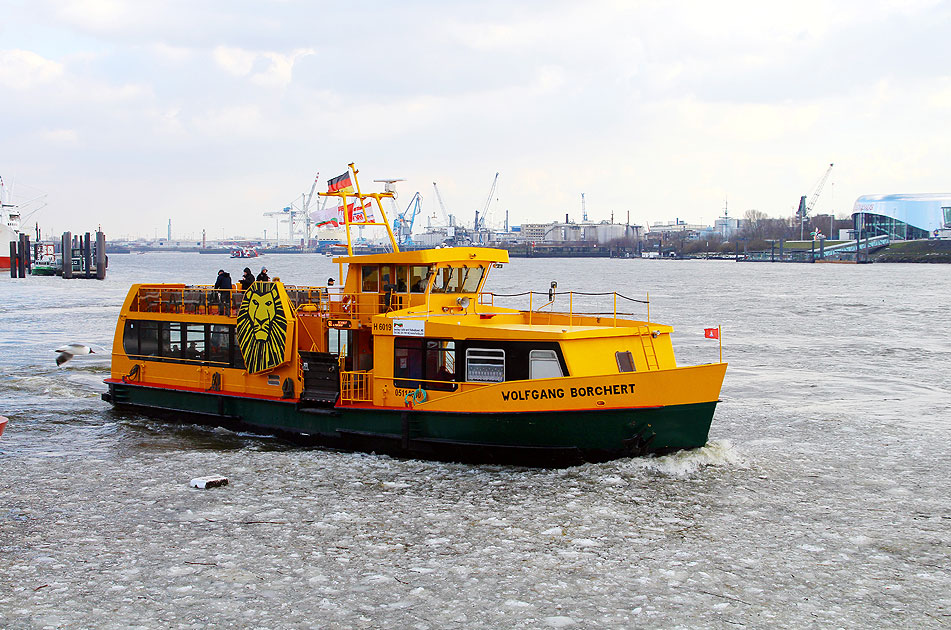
(371, 279)
(219, 344)
(440, 364)
(471, 277)
(170, 340)
(544, 364)
(148, 338)
(182, 342)
(625, 361)
(407, 362)
(130, 338)
(485, 365)
(419, 278)
(194, 341)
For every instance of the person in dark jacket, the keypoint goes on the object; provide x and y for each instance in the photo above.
(247, 279)
(263, 277)
(223, 283)
(224, 280)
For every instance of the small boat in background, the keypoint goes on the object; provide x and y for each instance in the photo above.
(244, 252)
(3, 424)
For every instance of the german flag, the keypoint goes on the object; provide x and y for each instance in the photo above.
(339, 183)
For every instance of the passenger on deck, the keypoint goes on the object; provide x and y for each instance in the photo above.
(223, 283)
(247, 279)
(263, 277)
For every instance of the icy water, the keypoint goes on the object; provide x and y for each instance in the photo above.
(821, 500)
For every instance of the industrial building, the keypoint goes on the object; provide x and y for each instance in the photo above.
(903, 216)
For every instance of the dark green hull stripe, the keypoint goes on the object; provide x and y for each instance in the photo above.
(543, 438)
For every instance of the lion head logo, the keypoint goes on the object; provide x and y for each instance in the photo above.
(262, 327)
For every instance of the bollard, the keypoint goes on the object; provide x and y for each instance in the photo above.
(67, 255)
(101, 260)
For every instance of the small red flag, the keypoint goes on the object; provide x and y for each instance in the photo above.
(711, 333)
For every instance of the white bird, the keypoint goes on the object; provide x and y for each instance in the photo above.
(70, 350)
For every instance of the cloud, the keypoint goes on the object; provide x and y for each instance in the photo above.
(60, 136)
(263, 68)
(24, 70)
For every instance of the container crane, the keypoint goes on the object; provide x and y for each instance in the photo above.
(805, 209)
(403, 223)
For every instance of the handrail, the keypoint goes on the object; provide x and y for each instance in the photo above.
(489, 298)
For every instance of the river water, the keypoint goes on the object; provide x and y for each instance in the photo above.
(820, 501)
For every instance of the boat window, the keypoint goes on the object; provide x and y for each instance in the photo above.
(194, 339)
(485, 365)
(387, 278)
(402, 271)
(219, 346)
(440, 364)
(170, 339)
(407, 362)
(471, 277)
(544, 364)
(182, 342)
(419, 278)
(447, 280)
(625, 361)
(337, 341)
(130, 338)
(371, 279)
(148, 338)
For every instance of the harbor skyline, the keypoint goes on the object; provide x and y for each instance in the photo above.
(211, 116)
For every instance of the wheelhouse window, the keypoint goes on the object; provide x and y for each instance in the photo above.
(402, 272)
(471, 277)
(419, 278)
(625, 361)
(371, 279)
(447, 280)
(544, 364)
(484, 365)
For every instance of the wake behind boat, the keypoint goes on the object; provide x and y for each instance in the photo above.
(412, 357)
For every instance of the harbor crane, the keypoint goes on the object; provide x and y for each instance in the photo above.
(480, 221)
(294, 216)
(445, 215)
(403, 223)
(805, 208)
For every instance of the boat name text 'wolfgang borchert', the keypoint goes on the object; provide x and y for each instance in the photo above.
(618, 389)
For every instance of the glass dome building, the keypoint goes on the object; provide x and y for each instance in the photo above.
(902, 217)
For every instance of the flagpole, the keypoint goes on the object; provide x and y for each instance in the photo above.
(720, 338)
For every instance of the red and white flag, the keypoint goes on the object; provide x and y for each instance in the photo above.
(711, 333)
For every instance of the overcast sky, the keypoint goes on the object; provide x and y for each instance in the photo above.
(128, 114)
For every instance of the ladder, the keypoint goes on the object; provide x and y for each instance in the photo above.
(647, 343)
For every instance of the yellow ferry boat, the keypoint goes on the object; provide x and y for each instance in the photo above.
(412, 357)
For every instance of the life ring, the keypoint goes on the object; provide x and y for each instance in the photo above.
(346, 304)
(415, 397)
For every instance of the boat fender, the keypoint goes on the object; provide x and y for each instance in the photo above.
(415, 397)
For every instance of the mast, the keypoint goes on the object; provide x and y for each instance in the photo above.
(361, 197)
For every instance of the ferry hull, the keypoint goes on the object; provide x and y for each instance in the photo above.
(543, 438)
